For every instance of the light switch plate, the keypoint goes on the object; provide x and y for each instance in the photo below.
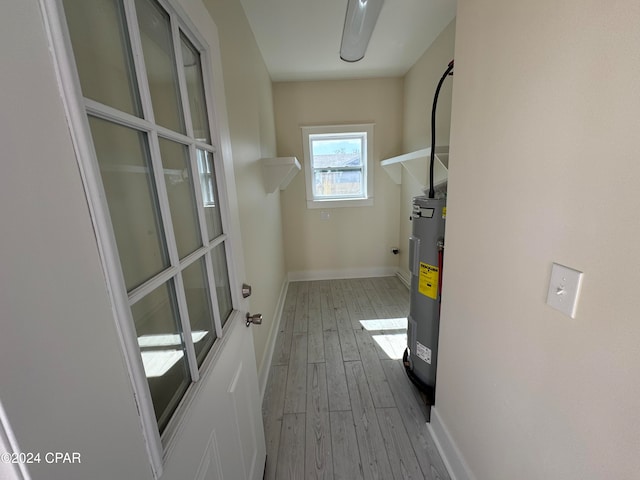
(564, 288)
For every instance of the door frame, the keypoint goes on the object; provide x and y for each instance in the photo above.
(76, 112)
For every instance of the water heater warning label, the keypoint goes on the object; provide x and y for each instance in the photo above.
(428, 280)
(423, 353)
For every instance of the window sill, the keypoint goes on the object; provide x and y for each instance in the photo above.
(340, 203)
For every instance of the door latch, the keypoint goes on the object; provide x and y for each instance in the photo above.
(256, 319)
(246, 290)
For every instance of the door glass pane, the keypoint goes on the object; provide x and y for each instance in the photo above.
(209, 193)
(157, 324)
(221, 274)
(160, 63)
(195, 282)
(182, 200)
(100, 42)
(127, 176)
(195, 88)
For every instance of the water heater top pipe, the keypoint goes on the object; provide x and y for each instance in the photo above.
(448, 71)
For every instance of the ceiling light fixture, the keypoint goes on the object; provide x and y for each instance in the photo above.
(361, 17)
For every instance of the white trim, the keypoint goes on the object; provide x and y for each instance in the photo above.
(183, 309)
(105, 112)
(163, 277)
(341, 203)
(182, 82)
(160, 279)
(267, 356)
(341, 273)
(213, 295)
(401, 275)
(137, 56)
(168, 232)
(448, 449)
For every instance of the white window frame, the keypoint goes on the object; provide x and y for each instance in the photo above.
(366, 200)
(77, 109)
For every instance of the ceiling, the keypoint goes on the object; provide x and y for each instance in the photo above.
(300, 39)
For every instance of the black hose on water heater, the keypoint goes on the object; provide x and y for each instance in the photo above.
(447, 72)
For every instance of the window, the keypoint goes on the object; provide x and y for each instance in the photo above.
(151, 149)
(338, 165)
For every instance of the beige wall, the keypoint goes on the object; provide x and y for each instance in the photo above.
(353, 241)
(544, 168)
(420, 84)
(251, 124)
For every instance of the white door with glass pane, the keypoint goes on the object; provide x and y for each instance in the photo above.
(139, 92)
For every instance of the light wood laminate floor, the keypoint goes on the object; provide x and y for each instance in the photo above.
(338, 403)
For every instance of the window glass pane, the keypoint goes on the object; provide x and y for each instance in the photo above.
(127, 176)
(160, 63)
(221, 274)
(337, 183)
(209, 193)
(182, 200)
(338, 165)
(339, 152)
(101, 47)
(157, 324)
(195, 282)
(195, 89)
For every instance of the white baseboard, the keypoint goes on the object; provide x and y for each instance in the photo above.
(267, 356)
(406, 280)
(306, 275)
(449, 451)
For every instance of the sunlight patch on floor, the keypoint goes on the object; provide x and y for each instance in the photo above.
(393, 345)
(378, 324)
(389, 333)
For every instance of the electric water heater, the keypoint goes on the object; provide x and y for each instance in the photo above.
(426, 248)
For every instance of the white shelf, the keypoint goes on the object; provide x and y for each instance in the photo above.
(417, 165)
(278, 172)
